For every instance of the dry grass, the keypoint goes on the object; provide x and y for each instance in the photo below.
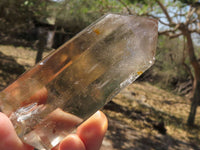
(24, 56)
(152, 103)
(143, 102)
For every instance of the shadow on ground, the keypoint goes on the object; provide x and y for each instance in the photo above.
(121, 137)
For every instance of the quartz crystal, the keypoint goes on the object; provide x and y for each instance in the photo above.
(49, 101)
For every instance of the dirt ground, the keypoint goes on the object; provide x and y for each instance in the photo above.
(141, 117)
(146, 105)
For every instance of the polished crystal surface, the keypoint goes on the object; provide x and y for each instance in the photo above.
(48, 102)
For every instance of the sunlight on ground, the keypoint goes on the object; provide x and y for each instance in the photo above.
(24, 56)
(141, 103)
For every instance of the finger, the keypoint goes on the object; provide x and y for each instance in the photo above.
(63, 120)
(92, 131)
(72, 142)
(8, 138)
(40, 97)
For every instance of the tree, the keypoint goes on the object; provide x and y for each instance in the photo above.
(187, 31)
(72, 16)
(182, 20)
(177, 18)
(185, 28)
(19, 15)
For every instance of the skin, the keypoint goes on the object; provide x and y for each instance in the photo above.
(89, 135)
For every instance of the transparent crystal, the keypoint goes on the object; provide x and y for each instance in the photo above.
(48, 102)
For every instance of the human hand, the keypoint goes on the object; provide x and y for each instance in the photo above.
(89, 135)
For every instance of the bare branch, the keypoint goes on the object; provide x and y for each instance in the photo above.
(194, 31)
(150, 15)
(158, 18)
(170, 33)
(194, 20)
(166, 24)
(164, 9)
(175, 35)
(166, 32)
(189, 15)
(127, 8)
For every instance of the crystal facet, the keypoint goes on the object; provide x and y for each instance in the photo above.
(46, 103)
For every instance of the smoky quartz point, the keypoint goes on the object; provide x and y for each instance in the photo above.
(49, 101)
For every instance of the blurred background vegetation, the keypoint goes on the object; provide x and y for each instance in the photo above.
(40, 26)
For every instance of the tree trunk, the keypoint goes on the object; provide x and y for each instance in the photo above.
(196, 87)
(39, 55)
(42, 37)
(194, 105)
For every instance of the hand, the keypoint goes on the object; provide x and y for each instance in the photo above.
(89, 135)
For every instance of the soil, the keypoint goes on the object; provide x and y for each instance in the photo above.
(143, 108)
(141, 117)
